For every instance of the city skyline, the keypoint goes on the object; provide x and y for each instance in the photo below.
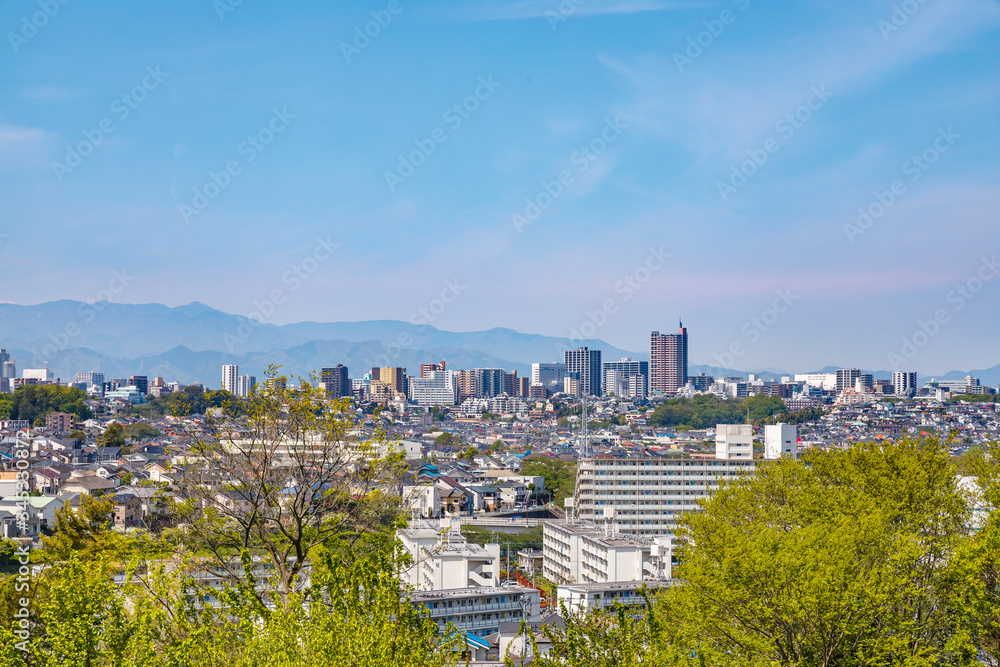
(797, 182)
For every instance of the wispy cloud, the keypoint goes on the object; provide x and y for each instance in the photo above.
(14, 137)
(528, 9)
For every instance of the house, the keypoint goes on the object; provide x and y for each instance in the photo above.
(108, 454)
(42, 507)
(90, 485)
(128, 510)
(483, 498)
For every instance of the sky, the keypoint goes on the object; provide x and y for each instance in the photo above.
(804, 184)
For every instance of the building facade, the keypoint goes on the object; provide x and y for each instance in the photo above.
(586, 364)
(668, 362)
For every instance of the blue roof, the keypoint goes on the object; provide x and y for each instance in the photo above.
(478, 642)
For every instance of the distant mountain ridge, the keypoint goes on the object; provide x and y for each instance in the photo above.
(190, 343)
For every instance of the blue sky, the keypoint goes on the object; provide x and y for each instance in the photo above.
(666, 124)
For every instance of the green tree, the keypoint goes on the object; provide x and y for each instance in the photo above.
(840, 559)
(560, 476)
(448, 440)
(113, 436)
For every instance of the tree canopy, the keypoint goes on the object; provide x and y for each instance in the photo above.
(34, 401)
(706, 410)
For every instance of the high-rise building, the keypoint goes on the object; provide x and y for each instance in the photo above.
(548, 375)
(8, 369)
(245, 385)
(427, 368)
(701, 382)
(388, 382)
(586, 363)
(140, 382)
(466, 385)
(625, 368)
(847, 379)
(668, 361)
(734, 442)
(438, 388)
(230, 376)
(4, 356)
(91, 379)
(904, 382)
(336, 381)
(489, 382)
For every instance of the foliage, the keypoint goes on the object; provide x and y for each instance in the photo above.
(560, 476)
(707, 410)
(841, 559)
(113, 436)
(192, 400)
(448, 440)
(140, 431)
(507, 541)
(469, 453)
(79, 436)
(32, 402)
(975, 398)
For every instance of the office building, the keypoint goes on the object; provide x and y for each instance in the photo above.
(41, 375)
(668, 362)
(548, 375)
(436, 388)
(780, 440)
(648, 494)
(8, 369)
(625, 368)
(904, 383)
(140, 382)
(336, 381)
(230, 378)
(586, 364)
(91, 379)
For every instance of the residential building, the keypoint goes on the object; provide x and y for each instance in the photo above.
(435, 388)
(443, 559)
(668, 361)
(847, 379)
(582, 598)
(586, 364)
(230, 378)
(780, 440)
(648, 494)
(734, 442)
(59, 421)
(388, 383)
(489, 382)
(336, 381)
(904, 383)
(427, 368)
(91, 379)
(140, 382)
(621, 370)
(582, 552)
(478, 612)
(245, 385)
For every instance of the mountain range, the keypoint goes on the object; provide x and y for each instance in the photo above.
(190, 343)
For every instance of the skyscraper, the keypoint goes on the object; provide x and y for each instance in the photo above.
(586, 363)
(245, 385)
(904, 382)
(625, 368)
(230, 378)
(668, 361)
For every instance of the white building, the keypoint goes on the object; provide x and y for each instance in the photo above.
(230, 378)
(824, 381)
(649, 494)
(244, 384)
(904, 383)
(443, 559)
(479, 611)
(438, 388)
(548, 375)
(40, 374)
(780, 440)
(581, 598)
(734, 442)
(582, 552)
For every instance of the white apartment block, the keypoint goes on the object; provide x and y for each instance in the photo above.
(734, 442)
(581, 598)
(649, 494)
(230, 378)
(824, 381)
(581, 552)
(780, 440)
(479, 611)
(439, 388)
(443, 559)
(548, 375)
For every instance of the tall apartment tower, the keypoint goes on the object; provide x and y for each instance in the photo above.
(586, 363)
(904, 382)
(245, 385)
(140, 382)
(336, 382)
(847, 379)
(668, 361)
(230, 378)
(430, 368)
